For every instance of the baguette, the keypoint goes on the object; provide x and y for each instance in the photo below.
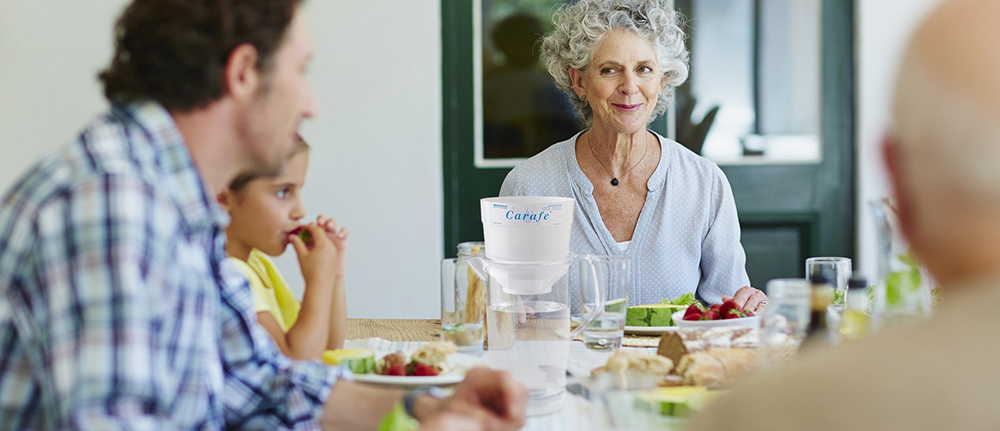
(717, 366)
(625, 365)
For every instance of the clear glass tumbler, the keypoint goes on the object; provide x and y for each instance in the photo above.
(903, 288)
(612, 274)
(837, 270)
(786, 319)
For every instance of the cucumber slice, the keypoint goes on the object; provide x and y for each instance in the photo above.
(359, 361)
(669, 401)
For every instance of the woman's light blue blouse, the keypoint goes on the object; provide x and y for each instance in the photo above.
(687, 238)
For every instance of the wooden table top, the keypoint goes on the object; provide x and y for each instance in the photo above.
(430, 330)
(395, 329)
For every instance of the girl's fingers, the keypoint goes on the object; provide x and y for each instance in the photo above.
(300, 246)
(318, 234)
(329, 224)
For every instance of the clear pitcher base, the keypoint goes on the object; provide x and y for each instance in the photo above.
(546, 401)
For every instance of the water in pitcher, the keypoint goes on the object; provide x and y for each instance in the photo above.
(536, 351)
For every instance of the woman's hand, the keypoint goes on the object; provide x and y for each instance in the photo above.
(319, 263)
(748, 298)
(339, 239)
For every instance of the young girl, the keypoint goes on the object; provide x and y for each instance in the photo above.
(265, 211)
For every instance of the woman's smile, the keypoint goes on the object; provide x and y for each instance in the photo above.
(627, 108)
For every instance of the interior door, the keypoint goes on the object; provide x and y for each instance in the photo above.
(789, 128)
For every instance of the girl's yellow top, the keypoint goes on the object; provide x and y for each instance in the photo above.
(270, 290)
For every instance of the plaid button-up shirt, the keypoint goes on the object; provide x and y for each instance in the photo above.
(117, 311)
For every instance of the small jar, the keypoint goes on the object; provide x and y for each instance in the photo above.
(463, 299)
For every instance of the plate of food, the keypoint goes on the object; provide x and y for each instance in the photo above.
(655, 319)
(639, 383)
(711, 358)
(434, 364)
(697, 315)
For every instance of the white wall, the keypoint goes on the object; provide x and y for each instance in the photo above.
(50, 53)
(883, 28)
(376, 158)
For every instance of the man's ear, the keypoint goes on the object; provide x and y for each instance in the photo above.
(242, 76)
(576, 78)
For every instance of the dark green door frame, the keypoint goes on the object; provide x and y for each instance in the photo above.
(827, 198)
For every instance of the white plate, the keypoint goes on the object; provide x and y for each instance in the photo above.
(462, 362)
(649, 330)
(746, 322)
(583, 361)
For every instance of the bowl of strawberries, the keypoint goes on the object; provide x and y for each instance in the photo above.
(697, 315)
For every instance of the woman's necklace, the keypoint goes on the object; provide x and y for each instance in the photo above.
(614, 179)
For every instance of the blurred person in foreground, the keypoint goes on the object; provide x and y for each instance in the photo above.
(942, 157)
(116, 308)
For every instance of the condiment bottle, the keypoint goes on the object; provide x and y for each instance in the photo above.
(856, 321)
(820, 299)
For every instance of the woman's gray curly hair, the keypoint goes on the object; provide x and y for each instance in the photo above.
(580, 26)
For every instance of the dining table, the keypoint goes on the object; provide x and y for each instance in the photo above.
(430, 330)
(582, 411)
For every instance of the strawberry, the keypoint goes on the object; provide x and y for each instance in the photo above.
(420, 369)
(693, 316)
(710, 315)
(396, 370)
(692, 309)
(727, 306)
(732, 314)
(715, 307)
(748, 313)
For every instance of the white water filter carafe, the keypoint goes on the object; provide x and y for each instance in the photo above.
(528, 292)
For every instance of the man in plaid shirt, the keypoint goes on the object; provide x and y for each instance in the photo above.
(116, 309)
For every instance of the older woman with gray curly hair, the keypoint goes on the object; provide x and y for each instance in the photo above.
(637, 193)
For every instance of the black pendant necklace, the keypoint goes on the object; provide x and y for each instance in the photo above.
(614, 179)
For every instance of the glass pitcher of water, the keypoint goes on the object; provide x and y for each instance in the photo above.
(528, 320)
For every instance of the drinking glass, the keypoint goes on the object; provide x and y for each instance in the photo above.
(463, 300)
(786, 319)
(837, 270)
(903, 288)
(612, 273)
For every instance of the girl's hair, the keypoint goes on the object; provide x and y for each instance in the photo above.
(245, 178)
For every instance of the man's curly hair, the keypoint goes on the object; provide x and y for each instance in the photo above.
(175, 51)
